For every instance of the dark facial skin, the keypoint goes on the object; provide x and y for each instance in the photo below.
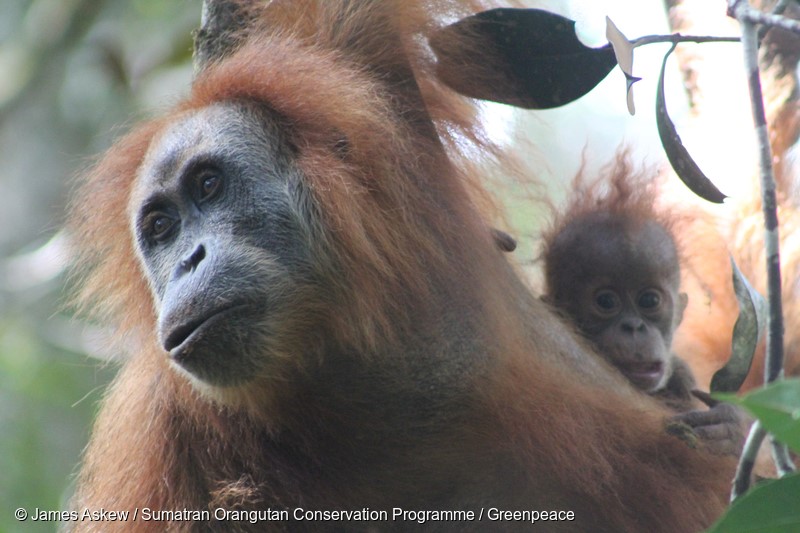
(219, 232)
(620, 286)
(619, 282)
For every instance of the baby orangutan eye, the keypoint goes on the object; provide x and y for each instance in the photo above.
(607, 302)
(650, 300)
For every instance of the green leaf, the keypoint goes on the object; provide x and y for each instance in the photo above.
(771, 507)
(746, 332)
(537, 62)
(683, 164)
(777, 406)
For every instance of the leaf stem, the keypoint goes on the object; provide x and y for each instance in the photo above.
(678, 38)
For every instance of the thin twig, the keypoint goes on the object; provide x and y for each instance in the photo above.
(741, 481)
(779, 8)
(741, 10)
(678, 38)
(774, 359)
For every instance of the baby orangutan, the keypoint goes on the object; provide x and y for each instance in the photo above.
(613, 268)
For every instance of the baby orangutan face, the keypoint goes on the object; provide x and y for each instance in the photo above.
(619, 281)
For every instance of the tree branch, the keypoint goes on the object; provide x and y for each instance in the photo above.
(745, 13)
(774, 359)
(678, 38)
(222, 27)
(779, 9)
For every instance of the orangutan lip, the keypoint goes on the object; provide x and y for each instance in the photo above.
(183, 335)
(643, 371)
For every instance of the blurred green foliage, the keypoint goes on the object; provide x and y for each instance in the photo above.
(74, 72)
(777, 406)
(771, 506)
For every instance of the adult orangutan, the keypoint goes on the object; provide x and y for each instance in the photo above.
(299, 260)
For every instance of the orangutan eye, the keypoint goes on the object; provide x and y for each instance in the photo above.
(160, 226)
(649, 300)
(209, 185)
(607, 301)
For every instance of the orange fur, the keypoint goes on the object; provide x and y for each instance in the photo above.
(446, 385)
(617, 190)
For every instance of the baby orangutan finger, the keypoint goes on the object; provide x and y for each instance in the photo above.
(719, 414)
(715, 432)
(721, 439)
(705, 398)
(722, 428)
